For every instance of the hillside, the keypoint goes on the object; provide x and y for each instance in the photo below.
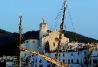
(9, 41)
(79, 38)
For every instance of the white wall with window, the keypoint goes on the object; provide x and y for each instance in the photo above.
(94, 58)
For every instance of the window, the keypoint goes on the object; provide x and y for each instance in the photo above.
(56, 39)
(47, 47)
(63, 54)
(71, 54)
(53, 44)
(84, 53)
(78, 53)
(40, 61)
(59, 55)
(55, 55)
(40, 65)
(48, 62)
(95, 61)
(77, 61)
(72, 61)
(35, 65)
(48, 66)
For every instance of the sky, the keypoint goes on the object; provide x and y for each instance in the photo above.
(81, 15)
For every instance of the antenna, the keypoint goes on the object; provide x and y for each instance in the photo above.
(20, 38)
(61, 29)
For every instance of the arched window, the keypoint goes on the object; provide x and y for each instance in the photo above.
(53, 44)
(77, 61)
(40, 61)
(57, 39)
(47, 47)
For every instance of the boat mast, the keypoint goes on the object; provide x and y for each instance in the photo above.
(61, 29)
(20, 38)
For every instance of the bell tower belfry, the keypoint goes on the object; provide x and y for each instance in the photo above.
(43, 28)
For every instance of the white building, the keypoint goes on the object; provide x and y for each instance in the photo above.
(70, 53)
(75, 58)
(32, 44)
(94, 58)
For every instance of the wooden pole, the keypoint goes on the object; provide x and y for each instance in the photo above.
(20, 37)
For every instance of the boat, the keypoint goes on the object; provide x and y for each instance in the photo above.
(53, 49)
